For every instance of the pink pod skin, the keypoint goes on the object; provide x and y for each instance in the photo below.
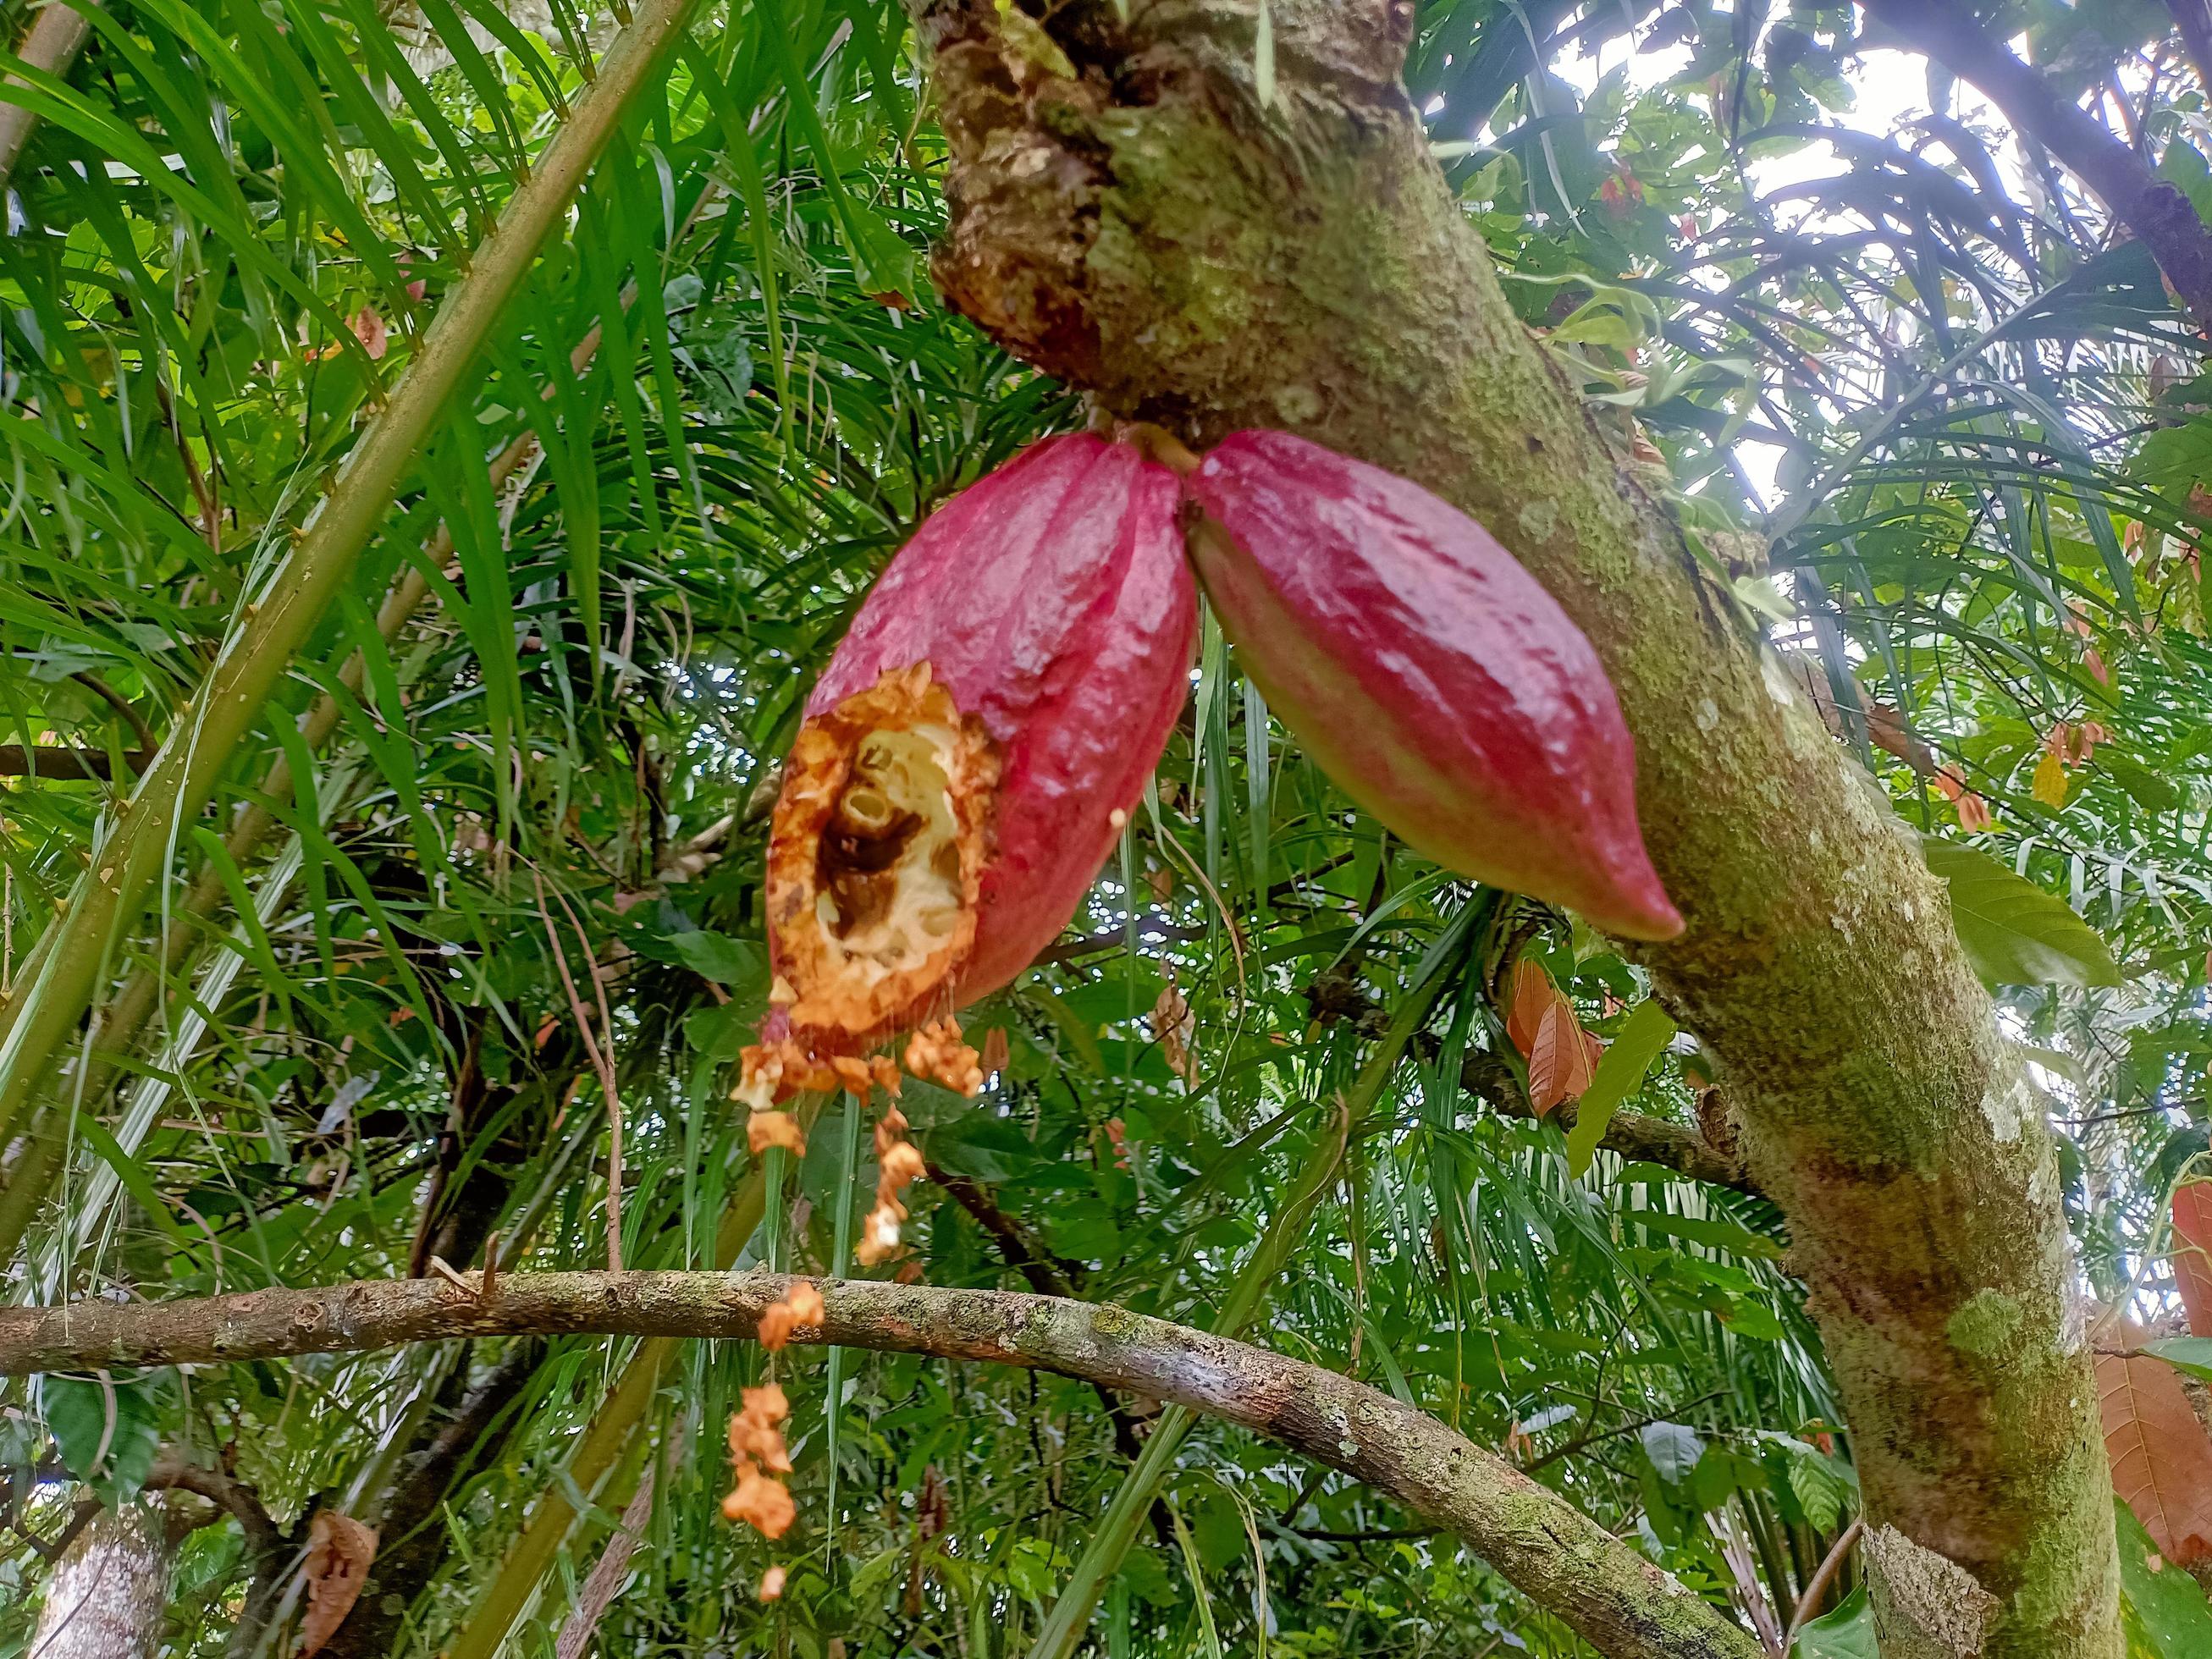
(1428, 674)
(1052, 602)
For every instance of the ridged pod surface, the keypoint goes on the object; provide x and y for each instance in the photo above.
(972, 751)
(1428, 673)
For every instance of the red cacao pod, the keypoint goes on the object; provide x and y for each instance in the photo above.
(974, 747)
(1428, 673)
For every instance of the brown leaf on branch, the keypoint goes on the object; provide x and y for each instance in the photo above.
(1543, 1026)
(1174, 1026)
(1563, 1060)
(2161, 1457)
(2192, 1252)
(339, 1550)
(1530, 994)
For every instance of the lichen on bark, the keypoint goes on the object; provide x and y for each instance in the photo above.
(1147, 229)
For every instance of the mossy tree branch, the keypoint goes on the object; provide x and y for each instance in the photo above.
(1147, 229)
(1599, 1587)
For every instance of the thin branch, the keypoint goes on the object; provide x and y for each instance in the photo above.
(601, 1063)
(1048, 1275)
(1314, 1536)
(1633, 1135)
(69, 761)
(122, 705)
(1583, 1443)
(1599, 1587)
(413, 1542)
(1809, 1602)
(2157, 212)
(172, 1471)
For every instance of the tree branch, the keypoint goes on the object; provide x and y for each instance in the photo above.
(2194, 19)
(2157, 212)
(1047, 1275)
(1600, 1587)
(1633, 1135)
(172, 1471)
(412, 1542)
(69, 761)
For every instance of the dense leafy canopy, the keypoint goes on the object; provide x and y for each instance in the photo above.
(520, 878)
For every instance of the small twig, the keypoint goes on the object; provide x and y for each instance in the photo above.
(1390, 1536)
(1823, 1576)
(172, 1471)
(490, 1280)
(445, 1270)
(51, 1552)
(1583, 1443)
(121, 704)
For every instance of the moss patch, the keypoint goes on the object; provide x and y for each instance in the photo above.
(1985, 1324)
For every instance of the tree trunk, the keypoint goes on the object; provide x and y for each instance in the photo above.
(1149, 231)
(106, 1594)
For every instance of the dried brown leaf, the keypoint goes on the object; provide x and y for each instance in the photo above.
(2192, 1252)
(2161, 1457)
(339, 1551)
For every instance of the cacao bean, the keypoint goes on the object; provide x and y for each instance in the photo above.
(1428, 673)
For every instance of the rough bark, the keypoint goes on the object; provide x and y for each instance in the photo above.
(2156, 211)
(106, 1594)
(1600, 1587)
(1146, 230)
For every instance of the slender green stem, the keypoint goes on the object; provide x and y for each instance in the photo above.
(1070, 1617)
(52, 44)
(603, 1444)
(137, 840)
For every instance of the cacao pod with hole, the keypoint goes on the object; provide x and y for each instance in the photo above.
(974, 745)
(1428, 673)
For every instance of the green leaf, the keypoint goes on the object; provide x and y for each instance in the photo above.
(1846, 1633)
(2192, 1354)
(1672, 1448)
(720, 1033)
(739, 963)
(106, 1429)
(1819, 1489)
(2182, 167)
(2149, 790)
(2014, 933)
(1620, 1072)
(130, 1172)
(2164, 1608)
(1202, 1602)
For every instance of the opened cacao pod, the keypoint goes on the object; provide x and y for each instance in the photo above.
(973, 748)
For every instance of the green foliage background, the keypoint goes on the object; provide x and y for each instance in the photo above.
(226, 238)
